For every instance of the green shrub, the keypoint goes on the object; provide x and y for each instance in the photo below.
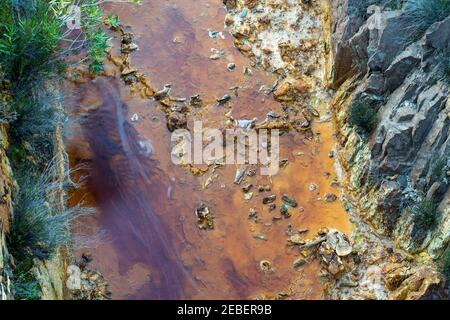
(28, 42)
(25, 289)
(32, 50)
(29, 39)
(425, 214)
(5, 115)
(97, 51)
(96, 39)
(113, 21)
(362, 116)
(32, 42)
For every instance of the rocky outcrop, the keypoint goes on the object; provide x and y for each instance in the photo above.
(5, 218)
(406, 158)
(345, 23)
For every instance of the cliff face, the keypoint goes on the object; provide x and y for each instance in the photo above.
(380, 61)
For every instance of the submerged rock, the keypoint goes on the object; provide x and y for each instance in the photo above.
(146, 148)
(290, 201)
(284, 210)
(253, 214)
(231, 66)
(230, 4)
(87, 256)
(247, 187)
(330, 197)
(296, 239)
(260, 236)
(312, 187)
(269, 199)
(205, 218)
(224, 99)
(195, 100)
(129, 47)
(163, 92)
(299, 262)
(282, 91)
(134, 118)
(265, 265)
(248, 196)
(176, 120)
(240, 175)
(245, 123)
(263, 188)
(248, 71)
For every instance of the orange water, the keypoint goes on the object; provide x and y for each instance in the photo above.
(152, 246)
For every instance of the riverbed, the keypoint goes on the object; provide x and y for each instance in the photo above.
(149, 245)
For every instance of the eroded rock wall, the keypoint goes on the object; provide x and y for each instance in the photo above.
(6, 185)
(380, 62)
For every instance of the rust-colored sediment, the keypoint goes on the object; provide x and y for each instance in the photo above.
(152, 246)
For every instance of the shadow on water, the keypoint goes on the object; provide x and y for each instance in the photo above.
(120, 181)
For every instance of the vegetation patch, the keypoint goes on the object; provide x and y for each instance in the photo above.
(25, 284)
(362, 116)
(425, 214)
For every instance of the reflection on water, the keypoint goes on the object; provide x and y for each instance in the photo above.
(120, 178)
(146, 204)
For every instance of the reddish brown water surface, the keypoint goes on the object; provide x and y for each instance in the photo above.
(152, 247)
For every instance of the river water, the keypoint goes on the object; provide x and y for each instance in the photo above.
(150, 245)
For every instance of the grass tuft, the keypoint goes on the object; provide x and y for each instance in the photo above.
(425, 214)
(38, 229)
